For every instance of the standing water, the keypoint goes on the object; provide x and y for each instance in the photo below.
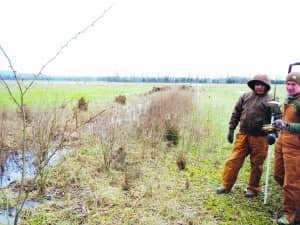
(12, 167)
(11, 171)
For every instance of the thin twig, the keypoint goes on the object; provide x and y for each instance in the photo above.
(65, 46)
(90, 119)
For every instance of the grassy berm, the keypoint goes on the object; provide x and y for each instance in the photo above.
(124, 168)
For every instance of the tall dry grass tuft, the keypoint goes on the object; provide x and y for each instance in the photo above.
(82, 104)
(164, 111)
(121, 99)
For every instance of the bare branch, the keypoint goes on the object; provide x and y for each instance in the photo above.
(66, 45)
(15, 76)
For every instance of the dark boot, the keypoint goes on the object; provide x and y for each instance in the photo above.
(284, 221)
(221, 190)
(249, 194)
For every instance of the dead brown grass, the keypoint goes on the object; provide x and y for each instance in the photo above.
(162, 111)
(121, 99)
(82, 104)
(9, 130)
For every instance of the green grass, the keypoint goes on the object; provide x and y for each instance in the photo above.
(56, 92)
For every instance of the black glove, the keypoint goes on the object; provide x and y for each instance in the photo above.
(230, 137)
(271, 138)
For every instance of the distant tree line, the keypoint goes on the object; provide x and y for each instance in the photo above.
(7, 75)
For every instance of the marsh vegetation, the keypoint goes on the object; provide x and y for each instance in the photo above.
(128, 154)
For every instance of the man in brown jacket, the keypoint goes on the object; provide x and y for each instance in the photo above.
(251, 112)
(287, 151)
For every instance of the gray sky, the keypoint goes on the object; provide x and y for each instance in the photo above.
(152, 37)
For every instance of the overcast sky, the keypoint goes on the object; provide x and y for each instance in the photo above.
(152, 37)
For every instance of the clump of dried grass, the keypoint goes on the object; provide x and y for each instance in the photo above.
(121, 99)
(159, 88)
(163, 114)
(82, 104)
(181, 161)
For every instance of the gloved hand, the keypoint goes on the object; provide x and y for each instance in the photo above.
(230, 137)
(271, 138)
(280, 124)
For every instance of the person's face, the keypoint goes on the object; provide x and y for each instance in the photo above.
(292, 88)
(259, 88)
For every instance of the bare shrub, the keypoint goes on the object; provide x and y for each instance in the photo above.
(109, 131)
(46, 139)
(121, 99)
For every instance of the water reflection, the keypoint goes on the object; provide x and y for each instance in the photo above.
(7, 216)
(11, 171)
(11, 167)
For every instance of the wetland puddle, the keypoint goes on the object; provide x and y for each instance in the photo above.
(7, 216)
(11, 167)
(10, 172)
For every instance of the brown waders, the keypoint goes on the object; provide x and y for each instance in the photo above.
(244, 145)
(287, 166)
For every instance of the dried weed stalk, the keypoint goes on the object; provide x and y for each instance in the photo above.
(110, 134)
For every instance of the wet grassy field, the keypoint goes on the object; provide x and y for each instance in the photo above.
(149, 188)
(51, 92)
